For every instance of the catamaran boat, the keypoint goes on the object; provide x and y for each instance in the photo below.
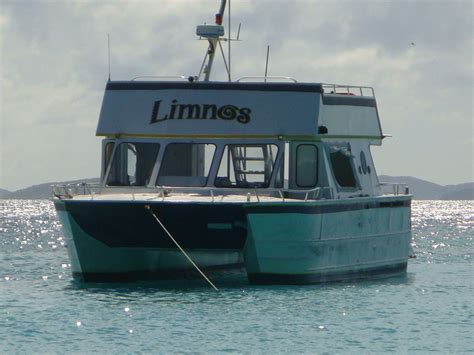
(275, 176)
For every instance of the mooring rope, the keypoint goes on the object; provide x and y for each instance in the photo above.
(179, 247)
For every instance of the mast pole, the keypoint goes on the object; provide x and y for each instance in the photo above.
(230, 40)
(211, 51)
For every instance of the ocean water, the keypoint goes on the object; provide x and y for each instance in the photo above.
(429, 309)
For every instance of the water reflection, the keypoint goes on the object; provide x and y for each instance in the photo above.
(394, 313)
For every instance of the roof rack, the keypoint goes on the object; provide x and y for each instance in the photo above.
(160, 77)
(265, 78)
(348, 90)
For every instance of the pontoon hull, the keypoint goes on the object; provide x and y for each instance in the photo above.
(121, 241)
(295, 243)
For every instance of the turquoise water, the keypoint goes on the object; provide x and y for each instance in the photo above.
(429, 309)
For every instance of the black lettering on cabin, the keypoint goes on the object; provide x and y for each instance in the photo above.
(244, 116)
(173, 109)
(197, 111)
(206, 109)
(154, 113)
(193, 111)
(227, 112)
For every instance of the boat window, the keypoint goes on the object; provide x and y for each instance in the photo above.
(109, 148)
(341, 161)
(246, 166)
(306, 165)
(132, 164)
(186, 164)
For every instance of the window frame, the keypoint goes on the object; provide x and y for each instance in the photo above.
(162, 158)
(118, 143)
(106, 164)
(317, 165)
(363, 163)
(346, 145)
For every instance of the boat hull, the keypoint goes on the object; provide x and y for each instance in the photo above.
(121, 241)
(295, 243)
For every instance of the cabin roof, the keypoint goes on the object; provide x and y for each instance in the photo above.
(237, 109)
(214, 85)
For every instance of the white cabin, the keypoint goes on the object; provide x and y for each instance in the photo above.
(272, 135)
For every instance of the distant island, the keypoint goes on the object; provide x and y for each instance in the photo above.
(421, 189)
(425, 190)
(41, 191)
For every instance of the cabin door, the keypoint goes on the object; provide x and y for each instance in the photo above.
(303, 166)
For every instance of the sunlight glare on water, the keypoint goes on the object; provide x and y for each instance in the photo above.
(43, 309)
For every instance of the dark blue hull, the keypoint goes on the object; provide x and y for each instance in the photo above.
(127, 224)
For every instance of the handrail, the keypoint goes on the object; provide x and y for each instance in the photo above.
(267, 77)
(71, 190)
(396, 187)
(160, 77)
(349, 89)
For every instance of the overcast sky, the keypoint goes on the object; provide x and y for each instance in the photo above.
(418, 55)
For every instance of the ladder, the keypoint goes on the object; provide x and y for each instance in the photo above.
(240, 160)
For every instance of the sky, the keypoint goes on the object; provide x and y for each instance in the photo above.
(418, 56)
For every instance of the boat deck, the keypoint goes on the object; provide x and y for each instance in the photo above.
(84, 192)
(184, 197)
(222, 198)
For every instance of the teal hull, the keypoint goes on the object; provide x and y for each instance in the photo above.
(92, 260)
(327, 240)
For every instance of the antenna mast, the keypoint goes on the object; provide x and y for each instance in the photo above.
(266, 63)
(108, 47)
(213, 34)
(230, 40)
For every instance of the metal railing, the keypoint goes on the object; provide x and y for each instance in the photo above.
(397, 188)
(265, 78)
(337, 89)
(160, 77)
(69, 191)
(348, 90)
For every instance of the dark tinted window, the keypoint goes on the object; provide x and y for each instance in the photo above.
(342, 168)
(132, 164)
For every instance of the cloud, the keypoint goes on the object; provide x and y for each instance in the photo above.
(53, 66)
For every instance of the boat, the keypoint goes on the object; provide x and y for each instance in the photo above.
(264, 173)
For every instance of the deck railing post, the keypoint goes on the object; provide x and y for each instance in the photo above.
(281, 195)
(256, 195)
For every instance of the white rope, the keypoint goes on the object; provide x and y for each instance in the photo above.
(179, 247)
